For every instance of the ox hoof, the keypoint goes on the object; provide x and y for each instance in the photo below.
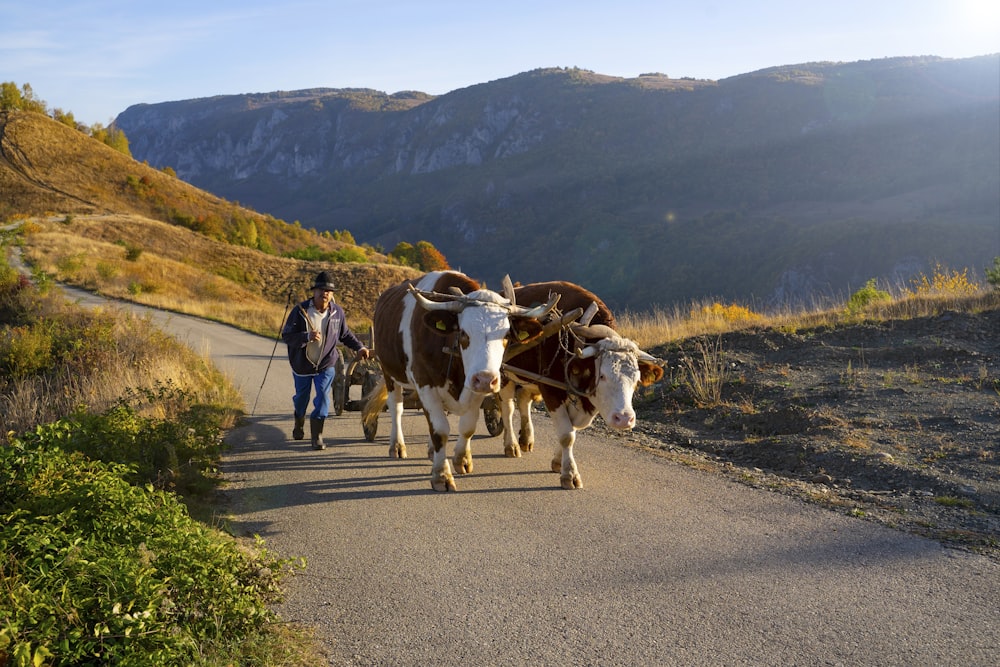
(397, 452)
(571, 482)
(443, 485)
(463, 467)
(557, 465)
(512, 452)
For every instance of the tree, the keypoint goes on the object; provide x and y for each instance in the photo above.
(405, 253)
(23, 99)
(430, 258)
(66, 118)
(111, 136)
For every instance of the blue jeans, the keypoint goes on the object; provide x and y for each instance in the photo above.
(304, 384)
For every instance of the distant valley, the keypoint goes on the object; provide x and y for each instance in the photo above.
(782, 186)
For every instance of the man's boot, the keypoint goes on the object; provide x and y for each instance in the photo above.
(299, 431)
(316, 433)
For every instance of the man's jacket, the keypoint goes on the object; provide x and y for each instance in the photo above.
(295, 333)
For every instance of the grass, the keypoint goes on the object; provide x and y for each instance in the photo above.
(176, 269)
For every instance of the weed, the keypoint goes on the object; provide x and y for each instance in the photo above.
(706, 372)
(954, 501)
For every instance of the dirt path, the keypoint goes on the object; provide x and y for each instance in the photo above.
(652, 563)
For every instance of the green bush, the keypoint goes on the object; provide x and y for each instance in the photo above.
(866, 296)
(96, 570)
(177, 454)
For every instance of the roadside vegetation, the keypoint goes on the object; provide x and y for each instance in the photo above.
(110, 434)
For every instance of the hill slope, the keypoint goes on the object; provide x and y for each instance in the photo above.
(101, 220)
(779, 185)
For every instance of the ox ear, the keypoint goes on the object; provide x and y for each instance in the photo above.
(649, 372)
(441, 322)
(581, 375)
(524, 329)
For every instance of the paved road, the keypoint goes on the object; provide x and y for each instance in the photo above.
(650, 564)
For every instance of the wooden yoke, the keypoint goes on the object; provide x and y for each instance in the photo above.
(547, 330)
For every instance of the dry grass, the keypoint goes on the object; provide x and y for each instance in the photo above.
(131, 355)
(662, 326)
(179, 270)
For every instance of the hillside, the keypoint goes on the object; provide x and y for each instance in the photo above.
(787, 185)
(101, 220)
(47, 167)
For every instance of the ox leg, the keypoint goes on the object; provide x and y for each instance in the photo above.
(397, 448)
(563, 461)
(525, 396)
(511, 448)
(442, 476)
(463, 448)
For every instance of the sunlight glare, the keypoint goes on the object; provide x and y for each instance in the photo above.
(979, 16)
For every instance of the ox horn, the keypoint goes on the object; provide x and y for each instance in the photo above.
(508, 290)
(646, 356)
(595, 331)
(539, 312)
(454, 306)
(588, 314)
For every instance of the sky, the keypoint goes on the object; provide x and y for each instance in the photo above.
(95, 58)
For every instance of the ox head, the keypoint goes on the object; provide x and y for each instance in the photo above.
(607, 370)
(481, 324)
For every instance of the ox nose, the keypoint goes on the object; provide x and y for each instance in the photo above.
(485, 382)
(622, 420)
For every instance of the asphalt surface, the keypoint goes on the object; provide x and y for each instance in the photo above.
(651, 563)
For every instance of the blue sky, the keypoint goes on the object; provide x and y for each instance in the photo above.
(95, 58)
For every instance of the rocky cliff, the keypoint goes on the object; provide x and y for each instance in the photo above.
(779, 185)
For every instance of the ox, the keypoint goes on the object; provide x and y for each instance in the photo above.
(445, 337)
(585, 370)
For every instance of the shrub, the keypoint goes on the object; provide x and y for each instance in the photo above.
(25, 351)
(98, 571)
(107, 270)
(132, 252)
(943, 283)
(732, 313)
(866, 296)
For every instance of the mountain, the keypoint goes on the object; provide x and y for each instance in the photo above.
(782, 186)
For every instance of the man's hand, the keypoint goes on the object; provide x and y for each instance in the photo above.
(364, 353)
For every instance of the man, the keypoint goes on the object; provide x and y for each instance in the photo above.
(312, 332)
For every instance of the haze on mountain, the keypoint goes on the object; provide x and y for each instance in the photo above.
(780, 186)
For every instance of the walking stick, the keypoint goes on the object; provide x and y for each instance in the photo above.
(283, 316)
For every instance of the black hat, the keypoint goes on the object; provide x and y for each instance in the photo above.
(323, 281)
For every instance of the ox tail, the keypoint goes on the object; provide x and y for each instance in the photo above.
(374, 402)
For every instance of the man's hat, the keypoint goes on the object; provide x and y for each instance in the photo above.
(323, 281)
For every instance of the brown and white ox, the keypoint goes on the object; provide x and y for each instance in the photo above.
(582, 371)
(444, 336)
